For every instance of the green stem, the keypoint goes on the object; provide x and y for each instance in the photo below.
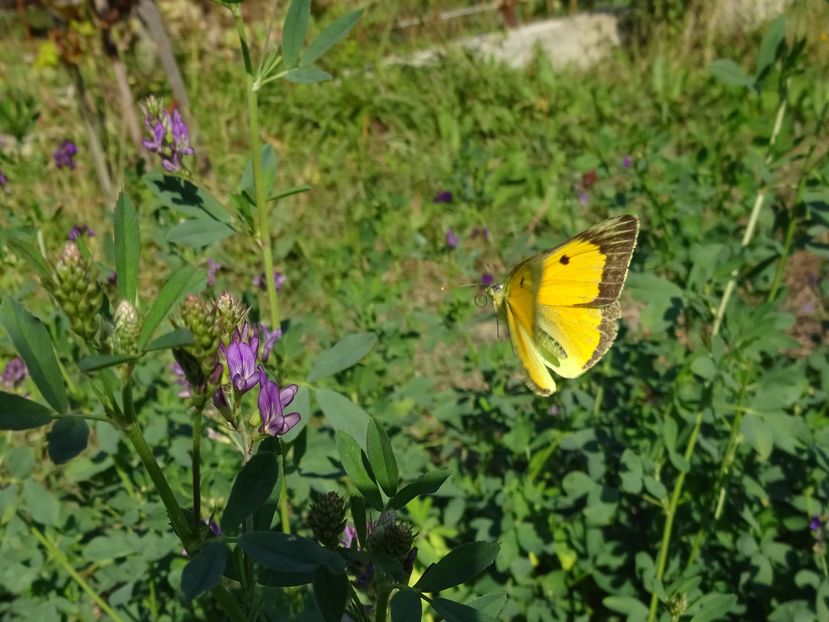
(59, 557)
(670, 512)
(263, 232)
(197, 466)
(229, 604)
(381, 611)
(283, 490)
(752, 219)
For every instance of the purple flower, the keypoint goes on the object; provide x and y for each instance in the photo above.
(584, 198)
(269, 339)
(627, 161)
(212, 268)
(278, 280)
(349, 536)
(214, 527)
(443, 196)
(79, 230)
(4, 181)
(272, 403)
(169, 136)
(487, 279)
(451, 239)
(815, 523)
(240, 355)
(65, 154)
(112, 278)
(14, 372)
(181, 379)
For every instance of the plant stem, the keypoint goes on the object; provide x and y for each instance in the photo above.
(59, 557)
(671, 512)
(383, 594)
(752, 219)
(283, 490)
(197, 466)
(263, 233)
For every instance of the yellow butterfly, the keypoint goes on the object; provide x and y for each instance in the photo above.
(561, 307)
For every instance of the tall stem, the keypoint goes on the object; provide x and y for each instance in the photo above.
(197, 466)
(381, 611)
(263, 233)
(670, 513)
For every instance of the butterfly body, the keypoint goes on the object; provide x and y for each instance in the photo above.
(561, 307)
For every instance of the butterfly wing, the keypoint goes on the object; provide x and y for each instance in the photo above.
(561, 306)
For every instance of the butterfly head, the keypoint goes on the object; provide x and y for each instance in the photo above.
(496, 292)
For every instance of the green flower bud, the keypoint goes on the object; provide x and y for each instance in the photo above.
(77, 293)
(231, 314)
(127, 328)
(391, 538)
(327, 519)
(201, 317)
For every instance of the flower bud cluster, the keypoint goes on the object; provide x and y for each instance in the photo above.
(202, 318)
(127, 328)
(77, 293)
(327, 518)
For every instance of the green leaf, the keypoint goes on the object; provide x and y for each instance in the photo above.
(294, 30)
(343, 415)
(18, 413)
(285, 553)
(491, 603)
(406, 606)
(33, 344)
(381, 457)
(177, 338)
(578, 483)
(329, 37)
(307, 75)
(127, 245)
(352, 459)
(67, 438)
(730, 73)
(456, 612)
(289, 192)
(712, 607)
(30, 253)
(426, 484)
(331, 592)
(632, 607)
(253, 486)
(704, 367)
(198, 232)
(358, 514)
(41, 504)
(459, 566)
(183, 281)
(345, 353)
(770, 45)
(205, 570)
(93, 363)
(185, 196)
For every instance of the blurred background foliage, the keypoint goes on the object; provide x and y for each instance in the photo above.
(576, 487)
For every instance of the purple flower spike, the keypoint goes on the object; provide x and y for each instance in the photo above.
(487, 279)
(443, 197)
(240, 355)
(65, 154)
(169, 136)
(212, 268)
(627, 161)
(815, 523)
(272, 403)
(452, 239)
(14, 372)
(79, 230)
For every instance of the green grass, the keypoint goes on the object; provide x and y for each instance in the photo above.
(724, 432)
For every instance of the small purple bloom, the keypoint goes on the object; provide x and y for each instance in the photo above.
(79, 230)
(4, 181)
(815, 523)
(212, 268)
(272, 403)
(214, 527)
(278, 280)
(627, 161)
(584, 198)
(240, 355)
(349, 536)
(443, 197)
(14, 372)
(220, 401)
(451, 239)
(65, 154)
(487, 279)
(181, 379)
(112, 278)
(169, 136)
(480, 231)
(269, 339)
